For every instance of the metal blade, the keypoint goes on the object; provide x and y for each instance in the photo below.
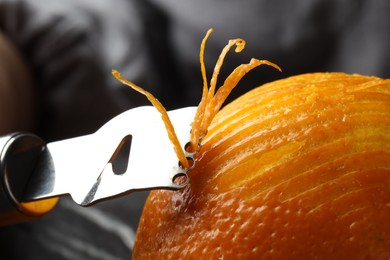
(83, 166)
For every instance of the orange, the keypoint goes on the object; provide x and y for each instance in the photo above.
(295, 169)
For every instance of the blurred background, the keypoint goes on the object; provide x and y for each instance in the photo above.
(55, 80)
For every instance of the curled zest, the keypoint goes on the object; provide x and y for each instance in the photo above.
(211, 101)
(164, 115)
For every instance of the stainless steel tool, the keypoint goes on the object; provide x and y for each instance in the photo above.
(130, 152)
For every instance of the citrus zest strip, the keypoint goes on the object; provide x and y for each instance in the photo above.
(214, 105)
(194, 139)
(240, 45)
(210, 105)
(164, 115)
(211, 101)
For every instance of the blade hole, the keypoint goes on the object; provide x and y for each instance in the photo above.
(181, 179)
(188, 150)
(120, 158)
(191, 163)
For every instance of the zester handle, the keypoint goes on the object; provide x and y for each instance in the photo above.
(19, 153)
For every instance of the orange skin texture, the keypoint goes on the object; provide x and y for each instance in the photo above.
(297, 168)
